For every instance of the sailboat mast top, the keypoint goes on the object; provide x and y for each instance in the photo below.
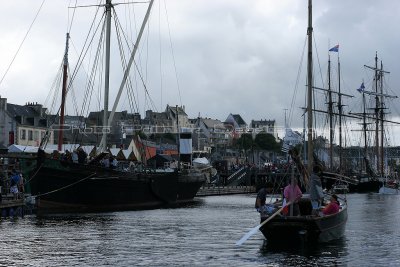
(127, 70)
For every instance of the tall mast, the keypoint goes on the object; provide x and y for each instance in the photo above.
(365, 130)
(381, 117)
(126, 72)
(309, 92)
(340, 106)
(103, 144)
(379, 113)
(376, 114)
(63, 94)
(178, 136)
(330, 113)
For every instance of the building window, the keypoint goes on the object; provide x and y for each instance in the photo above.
(23, 135)
(36, 136)
(30, 135)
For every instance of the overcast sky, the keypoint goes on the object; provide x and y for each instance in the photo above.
(230, 56)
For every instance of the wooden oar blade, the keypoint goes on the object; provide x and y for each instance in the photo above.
(255, 229)
(247, 236)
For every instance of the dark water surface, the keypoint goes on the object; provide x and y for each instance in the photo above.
(202, 234)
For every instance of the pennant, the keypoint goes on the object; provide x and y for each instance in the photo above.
(362, 87)
(334, 49)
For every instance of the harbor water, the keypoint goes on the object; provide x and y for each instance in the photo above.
(201, 234)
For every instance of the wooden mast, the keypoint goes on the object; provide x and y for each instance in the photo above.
(340, 106)
(365, 131)
(309, 92)
(103, 144)
(126, 73)
(381, 119)
(330, 113)
(63, 94)
(376, 114)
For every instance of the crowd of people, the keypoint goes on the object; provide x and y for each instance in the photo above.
(80, 156)
(76, 156)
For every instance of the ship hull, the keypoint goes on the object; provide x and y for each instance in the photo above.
(290, 231)
(61, 187)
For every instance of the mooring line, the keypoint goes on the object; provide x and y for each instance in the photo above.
(62, 188)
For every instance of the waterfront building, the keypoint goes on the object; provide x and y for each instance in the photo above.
(23, 124)
(267, 126)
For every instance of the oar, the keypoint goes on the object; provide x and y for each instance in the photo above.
(255, 229)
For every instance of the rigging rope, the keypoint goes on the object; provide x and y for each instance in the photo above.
(64, 187)
(296, 84)
(23, 41)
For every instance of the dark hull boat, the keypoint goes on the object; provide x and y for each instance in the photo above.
(64, 187)
(366, 186)
(288, 231)
(189, 183)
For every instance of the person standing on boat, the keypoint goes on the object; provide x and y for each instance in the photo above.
(316, 192)
(292, 193)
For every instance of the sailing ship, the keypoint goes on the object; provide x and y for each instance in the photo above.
(375, 176)
(307, 228)
(60, 186)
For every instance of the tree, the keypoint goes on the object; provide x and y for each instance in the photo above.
(266, 141)
(165, 137)
(245, 141)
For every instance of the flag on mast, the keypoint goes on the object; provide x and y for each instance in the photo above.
(362, 88)
(334, 49)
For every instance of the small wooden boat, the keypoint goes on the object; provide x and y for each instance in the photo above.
(308, 228)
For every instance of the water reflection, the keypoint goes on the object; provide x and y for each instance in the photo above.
(322, 254)
(202, 233)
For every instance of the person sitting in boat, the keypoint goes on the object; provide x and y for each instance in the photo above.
(82, 155)
(114, 163)
(333, 206)
(316, 191)
(260, 198)
(74, 156)
(67, 156)
(105, 162)
(265, 209)
(292, 193)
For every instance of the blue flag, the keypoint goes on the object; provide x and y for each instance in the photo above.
(362, 87)
(334, 49)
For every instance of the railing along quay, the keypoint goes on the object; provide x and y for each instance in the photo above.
(211, 190)
(12, 207)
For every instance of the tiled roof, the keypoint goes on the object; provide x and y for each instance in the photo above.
(18, 110)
